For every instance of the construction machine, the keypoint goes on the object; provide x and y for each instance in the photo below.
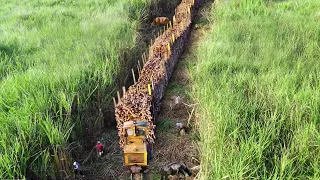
(137, 150)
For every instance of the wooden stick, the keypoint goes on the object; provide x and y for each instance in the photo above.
(190, 116)
(149, 89)
(143, 57)
(118, 94)
(139, 67)
(190, 105)
(123, 91)
(134, 77)
(114, 101)
(138, 71)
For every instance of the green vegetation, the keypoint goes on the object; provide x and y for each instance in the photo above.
(50, 51)
(165, 125)
(175, 88)
(257, 79)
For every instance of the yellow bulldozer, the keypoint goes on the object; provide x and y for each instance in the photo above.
(137, 150)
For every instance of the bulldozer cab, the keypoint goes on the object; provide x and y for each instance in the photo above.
(135, 148)
(135, 128)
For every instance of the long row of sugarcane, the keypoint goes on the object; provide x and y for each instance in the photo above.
(142, 100)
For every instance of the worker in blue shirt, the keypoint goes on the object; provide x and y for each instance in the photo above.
(77, 169)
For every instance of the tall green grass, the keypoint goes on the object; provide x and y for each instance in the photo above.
(50, 51)
(257, 79)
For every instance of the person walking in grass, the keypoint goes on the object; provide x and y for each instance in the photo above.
(99, 148)
(77, 169)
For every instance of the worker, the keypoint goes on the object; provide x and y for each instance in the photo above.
(174, 169)
(149, 149)
(182, 129)
(99, 148)
(160, 21)
(179, 125)
(77, 169)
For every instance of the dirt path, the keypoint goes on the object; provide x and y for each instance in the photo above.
(170, 146)
(178, 107)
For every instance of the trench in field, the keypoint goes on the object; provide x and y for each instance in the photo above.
(169, 145)
(110, 166)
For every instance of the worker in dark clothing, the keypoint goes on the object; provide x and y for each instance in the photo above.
(149, 149)
(99, 148)
(77, 169)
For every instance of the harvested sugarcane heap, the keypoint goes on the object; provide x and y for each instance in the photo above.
(137, 103)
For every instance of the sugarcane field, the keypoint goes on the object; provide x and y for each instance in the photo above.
(159, 90)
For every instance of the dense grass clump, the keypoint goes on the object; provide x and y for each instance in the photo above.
(257, 80)
(50, 51)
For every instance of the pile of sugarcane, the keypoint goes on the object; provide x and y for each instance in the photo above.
(143, 99)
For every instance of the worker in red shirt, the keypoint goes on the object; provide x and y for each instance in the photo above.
(99, 148)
